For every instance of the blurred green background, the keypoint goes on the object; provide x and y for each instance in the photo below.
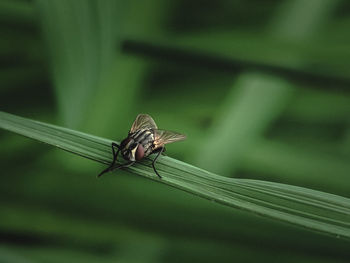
(260, 88)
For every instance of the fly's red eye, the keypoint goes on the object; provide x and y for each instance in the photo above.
(140, 152)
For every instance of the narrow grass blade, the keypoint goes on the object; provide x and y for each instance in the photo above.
(304, 207)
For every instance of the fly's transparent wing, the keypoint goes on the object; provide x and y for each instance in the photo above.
(162, 137)
(143, 121)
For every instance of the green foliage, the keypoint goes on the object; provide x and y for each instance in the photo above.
(259, 87)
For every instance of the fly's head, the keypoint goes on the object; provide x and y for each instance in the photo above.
(131, 150)
(127, 149)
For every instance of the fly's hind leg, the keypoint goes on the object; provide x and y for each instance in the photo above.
(163, 152)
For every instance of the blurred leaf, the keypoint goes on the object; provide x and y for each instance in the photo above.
(80, 41)
(31, 254)
(229, 51)
(18, 12)
(256, 100)
(317, 106)
(300, 206)
(10, 255)
(292, 164)
(297, 19)
(120, 89)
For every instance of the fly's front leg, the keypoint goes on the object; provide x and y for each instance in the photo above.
(111, 168)
(115, 155)
(124, 165)
(159, 150)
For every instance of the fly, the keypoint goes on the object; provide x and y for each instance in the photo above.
(144, 138)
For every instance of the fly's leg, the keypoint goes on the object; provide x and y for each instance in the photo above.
(124, 165)
(163, 152)
(115, 155)
(160, 150)
(110, 168)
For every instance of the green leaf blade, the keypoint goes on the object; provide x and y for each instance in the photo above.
(300, 206)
